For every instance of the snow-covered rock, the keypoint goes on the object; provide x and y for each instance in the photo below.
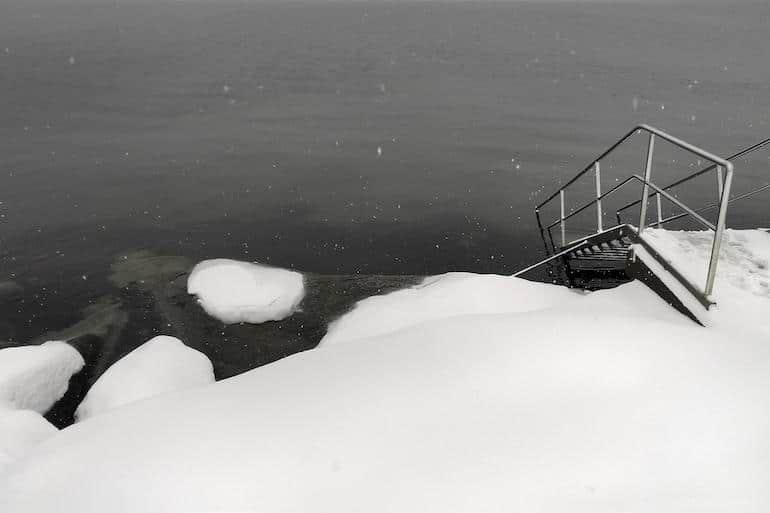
(612, 402)
(234, 291)
(35, 377)
(20, 430)
(439, 297)
(161, 365)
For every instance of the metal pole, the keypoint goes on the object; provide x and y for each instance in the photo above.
(646, 188)
(719, 232)
(597, 169)
(542, 231)
(660, 210)
(561, 223)
(719, 182)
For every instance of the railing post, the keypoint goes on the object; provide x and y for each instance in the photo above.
(720, 186)
(660, 210)
(597, 170)
(646, 188)
(561, 223)
(719, 232)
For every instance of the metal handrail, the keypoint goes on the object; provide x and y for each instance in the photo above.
(724, 184)
(662, 221)
(652, 131)
(742, 153)
(549, 259)
(658, 191)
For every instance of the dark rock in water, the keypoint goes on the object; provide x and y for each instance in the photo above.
(105, 318)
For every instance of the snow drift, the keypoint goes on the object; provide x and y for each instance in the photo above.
(439, 297)
(35, 377)
(161, 365)
(613, 402)
(234, 291)
(19, 431)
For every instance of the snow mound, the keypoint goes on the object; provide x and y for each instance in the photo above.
(742, 286)
(35, 377)
(19, 431)
(234, 291)
(547, 411)
(443, 296)
(160, 365)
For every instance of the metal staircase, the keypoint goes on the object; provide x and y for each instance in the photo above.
(599, 264)
(605, 258)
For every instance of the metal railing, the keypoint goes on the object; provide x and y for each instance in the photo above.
(661, 221)
(724, 183)
(742, 153)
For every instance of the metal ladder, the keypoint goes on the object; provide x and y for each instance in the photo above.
(607, 250)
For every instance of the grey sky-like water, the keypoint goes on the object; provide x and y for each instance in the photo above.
(334, 137)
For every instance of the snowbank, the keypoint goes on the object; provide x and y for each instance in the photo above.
(35, 377)
(234, 291)
(163, 364)
(742, 287)
(443, 296)
(547, 411)
(19, 431)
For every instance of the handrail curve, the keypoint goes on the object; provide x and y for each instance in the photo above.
(724, 171)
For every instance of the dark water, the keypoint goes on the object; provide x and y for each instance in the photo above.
(251, 130)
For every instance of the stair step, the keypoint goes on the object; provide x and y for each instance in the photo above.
(597, 262)
(597, 265)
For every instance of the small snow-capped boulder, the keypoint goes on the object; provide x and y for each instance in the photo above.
(35, 377)
(161, 365)
(234, 291)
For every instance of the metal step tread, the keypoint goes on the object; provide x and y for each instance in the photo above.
(607, 255)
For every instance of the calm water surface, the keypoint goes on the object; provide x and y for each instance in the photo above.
(405, 138)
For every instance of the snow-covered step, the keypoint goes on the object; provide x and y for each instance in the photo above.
(742, 287)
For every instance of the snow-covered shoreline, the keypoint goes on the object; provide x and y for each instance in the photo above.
(461, 393)
(473, 412)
